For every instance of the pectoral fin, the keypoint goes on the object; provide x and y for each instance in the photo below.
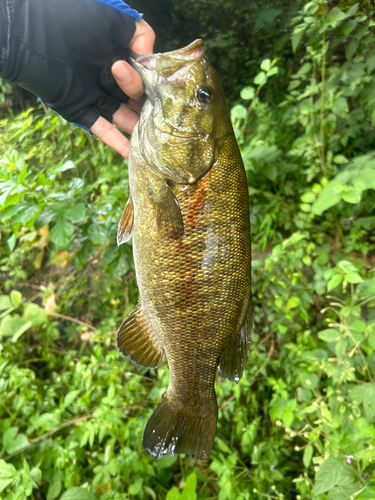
(168, 214)
(125, 226)
(135, 338)
(234, 356)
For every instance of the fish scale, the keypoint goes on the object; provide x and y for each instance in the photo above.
(191, 244)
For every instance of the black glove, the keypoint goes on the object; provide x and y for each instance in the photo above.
(62, 51)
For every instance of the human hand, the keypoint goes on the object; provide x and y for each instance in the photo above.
(131, 84)
(63, 50)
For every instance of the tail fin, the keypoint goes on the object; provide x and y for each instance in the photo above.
(178, 428)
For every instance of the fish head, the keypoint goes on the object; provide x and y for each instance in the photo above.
(184, 114)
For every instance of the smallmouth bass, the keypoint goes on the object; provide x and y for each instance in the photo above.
(188, 213)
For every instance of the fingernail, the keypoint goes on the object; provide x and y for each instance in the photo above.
(121, 72)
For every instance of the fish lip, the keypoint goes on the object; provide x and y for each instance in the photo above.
(191, 52)
(178, 138)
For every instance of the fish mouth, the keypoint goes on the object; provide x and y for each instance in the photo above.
(174, 138)
(172, 59)
(175, 64)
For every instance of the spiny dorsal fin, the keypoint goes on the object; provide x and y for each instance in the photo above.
(125, 226)
(234, 356)
(135, 338)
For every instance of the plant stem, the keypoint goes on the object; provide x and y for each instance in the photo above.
(49, 433)
(73, 320)
(322, 158)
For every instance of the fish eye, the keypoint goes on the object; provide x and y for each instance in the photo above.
(204, 94)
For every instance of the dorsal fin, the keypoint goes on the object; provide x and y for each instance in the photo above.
(135, 338)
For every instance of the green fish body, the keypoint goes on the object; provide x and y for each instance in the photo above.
(188, 213)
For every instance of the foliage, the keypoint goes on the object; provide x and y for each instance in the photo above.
(300, 423)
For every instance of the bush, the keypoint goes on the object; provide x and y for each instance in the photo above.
(300, 423)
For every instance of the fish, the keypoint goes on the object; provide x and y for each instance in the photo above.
(188, 215)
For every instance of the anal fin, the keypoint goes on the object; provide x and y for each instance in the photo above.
(135, 338)
(234, 356)
(125, 226)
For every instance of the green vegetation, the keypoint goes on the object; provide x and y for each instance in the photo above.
(300, 423)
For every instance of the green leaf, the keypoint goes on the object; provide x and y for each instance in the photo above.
(69, 398)
(135, 487)
(335, 16)
(352, 10)
(97, 233)
(11, 325)
(76, 213)
(327, 198)
(334, 282)
(189, 491)
(308, 197)
(8, 474)
(340, 348)
(367, 175)
(340, 159)
(77, 494)
(329, 335)
(329, 475)
(173, 494)
(12, 242)
(352, 195)
(370, 63)
(365, 394)
(4, 302)
(61, 232)
(293, 302)
(55, 487)
(348, 26)
(367, 494)
(65, 166)
(304, 69)
(353, 278)
(351, 49)
(15, 298)
(265, 64)
(270, 172)
(21, 331)
(296, 38)
(260, 79)
(12, 441)
(287, 417)
(272, 71)
(307, 454)
(35, 314)
(238, 112)
(247, 93)
(340, 107)
(30, 213)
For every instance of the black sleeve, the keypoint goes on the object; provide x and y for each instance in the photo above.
(62, 51)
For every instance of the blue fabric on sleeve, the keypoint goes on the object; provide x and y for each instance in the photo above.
(123, 7)
(74, 123)
(81, 126)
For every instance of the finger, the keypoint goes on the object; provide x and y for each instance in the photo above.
(143, 39)
(125, 118)
(109, 134)
(128, 80)
(136, 105)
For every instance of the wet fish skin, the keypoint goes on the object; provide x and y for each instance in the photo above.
(191, 244)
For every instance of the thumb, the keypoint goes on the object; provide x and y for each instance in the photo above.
(143, 39)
